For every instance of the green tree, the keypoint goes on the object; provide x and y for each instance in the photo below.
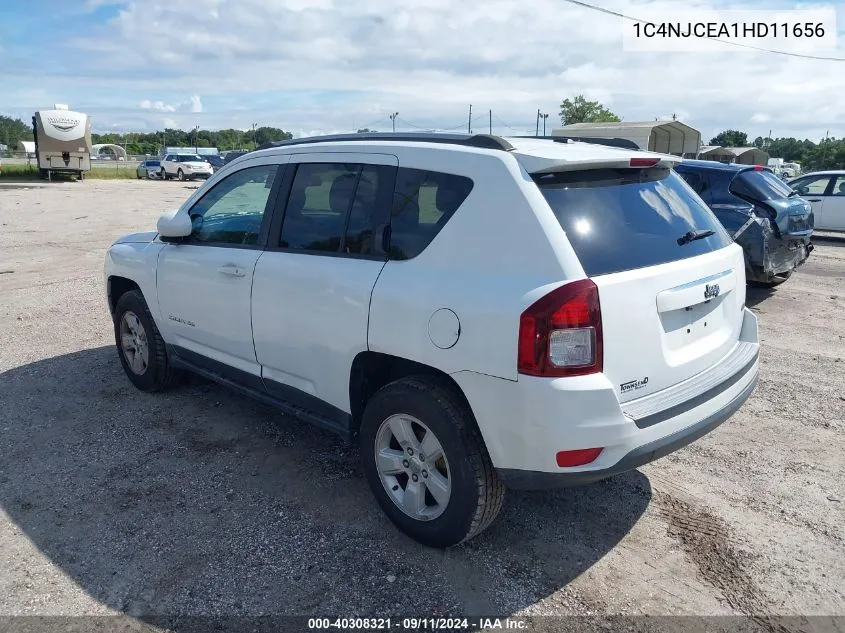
(270, 134)
(580, 110)
(12, 131)
(730, 138)
(829, 154)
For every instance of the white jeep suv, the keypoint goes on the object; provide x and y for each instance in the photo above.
(185, 167)
(477, 312)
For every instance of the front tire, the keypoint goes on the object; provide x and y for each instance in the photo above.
(140, 347)
(163, 174)
(426, 462)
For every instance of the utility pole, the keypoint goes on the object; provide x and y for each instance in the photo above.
(491, 122)
(197, 139)
(393, 119)
(254, 142)
(469, 123)
(537, 130)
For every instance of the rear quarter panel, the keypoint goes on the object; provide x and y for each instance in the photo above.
(501, 250)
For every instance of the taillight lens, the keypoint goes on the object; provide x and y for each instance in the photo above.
(560, 334)
(644, 162)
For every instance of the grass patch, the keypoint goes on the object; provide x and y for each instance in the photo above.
(26, 173)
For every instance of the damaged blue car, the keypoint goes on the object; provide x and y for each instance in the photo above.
(771, 222)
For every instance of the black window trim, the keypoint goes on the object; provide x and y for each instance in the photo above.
(384, 198)
(266, 218)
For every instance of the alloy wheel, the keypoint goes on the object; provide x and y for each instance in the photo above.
(412, 467)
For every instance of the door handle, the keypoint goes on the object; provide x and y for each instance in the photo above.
(231, 270)
(813, 199)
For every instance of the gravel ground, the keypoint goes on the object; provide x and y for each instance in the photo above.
(201, 502)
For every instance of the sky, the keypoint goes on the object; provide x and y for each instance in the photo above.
(325, 66)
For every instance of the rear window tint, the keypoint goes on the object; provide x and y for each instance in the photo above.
(760, 186)
(422, 204)
(622, 219)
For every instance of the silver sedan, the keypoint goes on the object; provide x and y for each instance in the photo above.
(148, 169)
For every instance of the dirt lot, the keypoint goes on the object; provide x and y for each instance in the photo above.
(199, 501)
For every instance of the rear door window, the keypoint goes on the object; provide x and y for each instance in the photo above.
(623, 219)
(334, 208)
(759, 186)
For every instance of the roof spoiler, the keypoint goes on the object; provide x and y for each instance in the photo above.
(622, 143)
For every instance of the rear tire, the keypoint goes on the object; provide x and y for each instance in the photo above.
(180, 175)
(140, 347)
(423, 405)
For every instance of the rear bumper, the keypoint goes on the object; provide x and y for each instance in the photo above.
(525, 423)
(769, 254)
(534, 480)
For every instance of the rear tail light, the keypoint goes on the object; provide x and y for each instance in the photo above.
(560, 334)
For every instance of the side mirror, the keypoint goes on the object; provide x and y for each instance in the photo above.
(174, 224)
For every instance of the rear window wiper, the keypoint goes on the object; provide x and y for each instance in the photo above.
(691, 236)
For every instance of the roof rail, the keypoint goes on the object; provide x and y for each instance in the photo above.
(484, 141)
(624, 143)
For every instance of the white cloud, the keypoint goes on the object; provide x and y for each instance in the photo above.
(333, 64)
(146, 104)
(194, 104)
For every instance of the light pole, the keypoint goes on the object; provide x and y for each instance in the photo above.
(544, 116)
(197, 139)
(254, 142)
(393, 119)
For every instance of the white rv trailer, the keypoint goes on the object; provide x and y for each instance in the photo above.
(62, 141)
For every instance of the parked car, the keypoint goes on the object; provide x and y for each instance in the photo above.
(230, 156)
(148, 169)
(762, 213)
(215, 161)
(825, 190)
(185, 167)
(472, 328)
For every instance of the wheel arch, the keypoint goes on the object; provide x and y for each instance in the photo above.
(116, 287)
(373, 370)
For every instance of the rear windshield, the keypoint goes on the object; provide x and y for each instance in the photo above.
(760, 185)
(622, 219)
